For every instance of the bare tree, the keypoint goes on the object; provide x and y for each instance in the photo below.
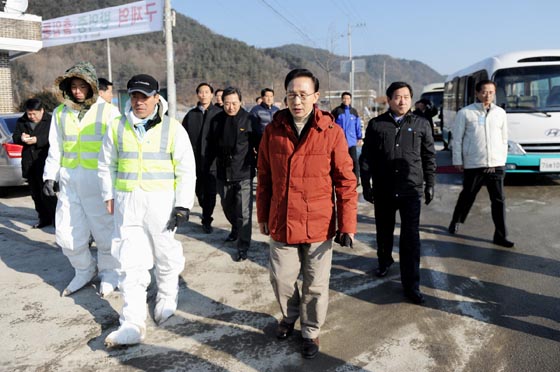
(329, 61)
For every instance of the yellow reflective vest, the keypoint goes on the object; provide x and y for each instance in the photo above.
(147, 164)
(82, 140)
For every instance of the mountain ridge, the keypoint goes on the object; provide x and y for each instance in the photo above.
(200, 55)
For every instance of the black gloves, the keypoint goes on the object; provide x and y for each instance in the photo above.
(428, 194)
(49, 188)
(178, 215)
(367, 193)
(343, 239)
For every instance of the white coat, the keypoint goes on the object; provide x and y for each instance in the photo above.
(480, 138)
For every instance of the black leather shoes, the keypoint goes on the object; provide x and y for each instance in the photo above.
(284, 330)
(241, 256)
(231, 237)
(310, 348)
(453, 227)
(414, 295)
(503, 242)
(41, 224)
(382, 271)
(207, 228)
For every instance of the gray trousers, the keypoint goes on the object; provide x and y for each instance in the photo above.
(237, 203)
(314, 262)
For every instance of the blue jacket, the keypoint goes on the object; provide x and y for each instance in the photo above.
(348, 119)
(263, 115)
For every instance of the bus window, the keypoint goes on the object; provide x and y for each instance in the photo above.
(435, 97)
(471, 96)
(449, 99)
(461, 92)
(529, 88)
(471, 88)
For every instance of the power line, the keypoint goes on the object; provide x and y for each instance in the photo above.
(337, 4)
(354, 13)
(299, 30)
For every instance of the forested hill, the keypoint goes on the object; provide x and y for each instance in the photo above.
(200, 55)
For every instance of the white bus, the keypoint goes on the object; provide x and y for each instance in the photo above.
(434, 92)
(528, 88)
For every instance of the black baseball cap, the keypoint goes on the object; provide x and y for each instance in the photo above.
(144, 84)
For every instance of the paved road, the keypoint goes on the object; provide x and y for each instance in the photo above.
(488, 308)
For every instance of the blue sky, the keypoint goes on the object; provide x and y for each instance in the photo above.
(448, 35)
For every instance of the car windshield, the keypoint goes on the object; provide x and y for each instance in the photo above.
(529, 89)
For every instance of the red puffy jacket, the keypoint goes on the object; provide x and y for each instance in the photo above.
(298, 180)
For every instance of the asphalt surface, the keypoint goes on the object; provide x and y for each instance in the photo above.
(487, 308)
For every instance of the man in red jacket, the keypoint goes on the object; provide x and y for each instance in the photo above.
(303, 157)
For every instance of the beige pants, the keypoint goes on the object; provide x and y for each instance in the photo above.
(314, 262)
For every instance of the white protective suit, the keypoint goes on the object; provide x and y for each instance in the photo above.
(141, 238)
(80, 211)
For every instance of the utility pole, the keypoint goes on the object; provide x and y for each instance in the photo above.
(171, 92)
(351, 77)
(384, 82)
(109, 69)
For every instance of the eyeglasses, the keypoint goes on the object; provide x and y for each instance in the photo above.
(302, 96)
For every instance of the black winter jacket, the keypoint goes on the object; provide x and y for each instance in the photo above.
(197, 124)
(37, 152)
(231, 144)
(398, 158)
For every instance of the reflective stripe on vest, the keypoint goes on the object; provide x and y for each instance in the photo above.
(147, 164)
(81, 141)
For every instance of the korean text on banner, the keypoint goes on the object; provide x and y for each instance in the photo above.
(130, 19)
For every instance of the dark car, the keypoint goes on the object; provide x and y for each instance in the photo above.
(10, 153)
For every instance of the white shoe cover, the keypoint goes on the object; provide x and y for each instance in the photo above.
(106, 288)
(165, 308)
(81, 278)
(127, 334)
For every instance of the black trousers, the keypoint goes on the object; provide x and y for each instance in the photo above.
(356, 164)
(473, 179)
(205, 190)
(44, 205)
(386, 207)
(237, 203)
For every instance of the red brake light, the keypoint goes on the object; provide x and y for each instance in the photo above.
(13, 150)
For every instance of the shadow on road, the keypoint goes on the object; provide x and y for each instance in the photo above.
(215, 330)
(497, 304)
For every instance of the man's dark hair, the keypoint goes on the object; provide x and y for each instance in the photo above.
(204, 85)
(396, 86)
(263, 92)
(103, 84)
(218, 91)
(345, 94)
(231, 90)
(481, 83)
(301, 72)
(33, 104)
